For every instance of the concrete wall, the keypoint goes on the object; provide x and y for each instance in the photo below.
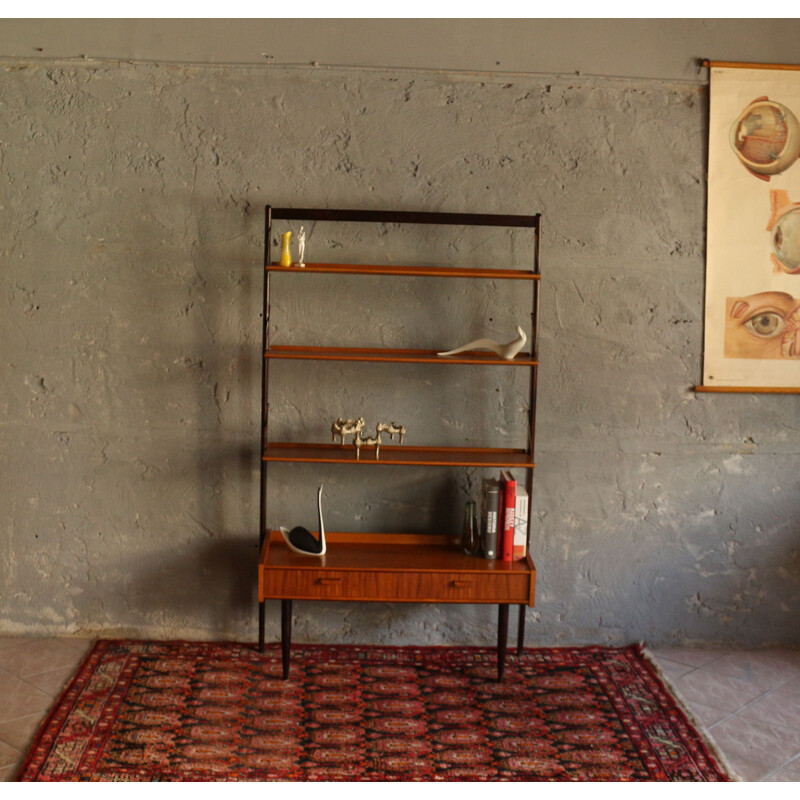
(663, 49)
(131, 241)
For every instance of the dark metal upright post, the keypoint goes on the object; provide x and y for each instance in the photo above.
(262, 515)
(534, 374)
(502, 639)
(286, 635)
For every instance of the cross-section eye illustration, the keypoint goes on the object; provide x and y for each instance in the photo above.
(766, 138)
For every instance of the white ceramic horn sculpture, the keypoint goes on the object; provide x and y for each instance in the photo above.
(507, 351)
(302, 541)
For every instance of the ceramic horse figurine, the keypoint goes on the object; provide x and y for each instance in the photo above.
(392, 428)
(359, 441)
(346, 427)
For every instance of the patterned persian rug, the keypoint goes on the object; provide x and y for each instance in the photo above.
(181, 711)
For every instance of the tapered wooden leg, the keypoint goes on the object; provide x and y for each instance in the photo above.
(261, 620)
(521, 630)
(286, 635)
(502, 638)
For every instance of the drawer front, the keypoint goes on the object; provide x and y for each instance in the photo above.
(501, 587)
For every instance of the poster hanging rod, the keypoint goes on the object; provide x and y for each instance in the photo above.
(745, 65)
(748, 389)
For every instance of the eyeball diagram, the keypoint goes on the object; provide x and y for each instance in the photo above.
(766, 138)
(784, 225)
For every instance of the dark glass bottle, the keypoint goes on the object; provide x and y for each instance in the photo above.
(470, 535)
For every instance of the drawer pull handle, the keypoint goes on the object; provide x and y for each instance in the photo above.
(329, 581)
(462, 584)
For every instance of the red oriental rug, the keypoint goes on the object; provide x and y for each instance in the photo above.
(182, 711)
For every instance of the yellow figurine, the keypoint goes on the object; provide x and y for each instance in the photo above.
(286, 250)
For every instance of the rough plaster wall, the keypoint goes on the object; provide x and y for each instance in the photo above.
(132, 200)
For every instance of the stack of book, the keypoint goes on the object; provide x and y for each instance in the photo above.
(504, 518)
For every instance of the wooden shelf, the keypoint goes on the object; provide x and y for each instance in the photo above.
(416, 272)
(412, 568)
(405, 217)
(395, 356)
(393, 455)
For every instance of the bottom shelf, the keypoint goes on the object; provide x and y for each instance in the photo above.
(409, 568)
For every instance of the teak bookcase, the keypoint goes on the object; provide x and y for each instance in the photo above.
(404, 568)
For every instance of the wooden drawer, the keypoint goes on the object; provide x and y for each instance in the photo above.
(399, 586)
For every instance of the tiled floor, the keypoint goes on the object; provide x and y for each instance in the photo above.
(32, 674)
(749, 701)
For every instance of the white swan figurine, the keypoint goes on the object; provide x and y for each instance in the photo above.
(507, 351)
(302, 541)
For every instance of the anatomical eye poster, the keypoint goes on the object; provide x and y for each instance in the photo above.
(752, 313)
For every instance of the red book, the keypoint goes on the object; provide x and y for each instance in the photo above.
(508, 503)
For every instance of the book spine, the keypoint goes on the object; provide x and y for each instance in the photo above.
(508, 505)
(489, 507)
(521, 524)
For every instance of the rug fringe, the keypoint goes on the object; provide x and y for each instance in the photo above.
(698, 724)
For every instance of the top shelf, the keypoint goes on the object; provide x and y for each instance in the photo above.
(429, 272)
(406, 217)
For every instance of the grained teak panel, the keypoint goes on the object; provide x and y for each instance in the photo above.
(395, 586)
